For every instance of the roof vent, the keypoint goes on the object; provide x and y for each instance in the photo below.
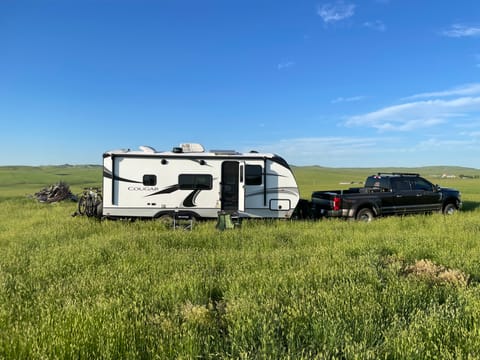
(147, 149)
(225, 152)
(192, 148)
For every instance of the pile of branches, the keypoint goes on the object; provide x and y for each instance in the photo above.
(54, 193)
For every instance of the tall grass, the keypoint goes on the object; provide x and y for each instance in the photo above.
(74, 287)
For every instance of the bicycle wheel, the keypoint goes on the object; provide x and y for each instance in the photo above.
(91, 206)
(82, 205)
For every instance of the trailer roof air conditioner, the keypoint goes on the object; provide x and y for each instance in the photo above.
(147, 149)
(192, 148)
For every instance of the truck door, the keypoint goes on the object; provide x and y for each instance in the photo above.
(415, 195)
(404, 196)
(232, 190)
(426, 198)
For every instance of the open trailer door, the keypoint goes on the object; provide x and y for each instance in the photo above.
(232, 186)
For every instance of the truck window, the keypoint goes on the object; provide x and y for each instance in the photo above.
(422, 184)
(253, 175)
(195, 182)
(401, 184)
(377, 182)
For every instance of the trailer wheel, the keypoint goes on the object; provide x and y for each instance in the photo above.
(166, 220)
(450, 209)
(365, 215)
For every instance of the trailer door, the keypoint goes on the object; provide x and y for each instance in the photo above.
(241, 186)
(232, 190)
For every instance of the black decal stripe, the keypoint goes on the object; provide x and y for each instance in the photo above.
(286, 190)
(167, 190)
(190, 199)
(118, 178)
(108, 174)
(277, 175)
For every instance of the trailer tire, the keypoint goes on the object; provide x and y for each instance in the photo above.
(365, 215)
(166, 220)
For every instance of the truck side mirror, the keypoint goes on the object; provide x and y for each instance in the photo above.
(436, 188)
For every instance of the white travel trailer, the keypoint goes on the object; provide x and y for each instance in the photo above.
(190, 181)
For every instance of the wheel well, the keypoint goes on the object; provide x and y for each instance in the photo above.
(366, 206)
(176, 213)
(453, 201)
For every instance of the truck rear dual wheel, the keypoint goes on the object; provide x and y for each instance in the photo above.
(365, 215)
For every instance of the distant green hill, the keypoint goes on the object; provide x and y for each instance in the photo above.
(311, 178)
(22, 180)
(15, 180)
(425, 170)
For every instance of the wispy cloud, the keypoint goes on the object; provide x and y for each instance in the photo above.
(285, 65)
(473, 134)
(460, 30)
(418, 114)
(329, 150)
(333, 12)
(463, 90)
(434, 143)
(358, 151)
(347, 99)
(376, 25)
(452, 112)
(436, 128)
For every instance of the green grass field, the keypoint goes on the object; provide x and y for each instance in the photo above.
(396, 288)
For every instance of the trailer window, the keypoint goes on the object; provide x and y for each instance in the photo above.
(195, 182)
(253, 175)
(149, 180)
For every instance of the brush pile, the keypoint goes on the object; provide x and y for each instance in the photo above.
(55, 193)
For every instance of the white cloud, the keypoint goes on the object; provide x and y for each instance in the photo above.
(418, 114)
(329, 151)
(381, 151)
(432, 143)
(438, 128)
(333, 12)
(408, 125)
(473, 134)
(285, 65)
(376, 25)
(459, 30)
(464, 90)
(347, 99)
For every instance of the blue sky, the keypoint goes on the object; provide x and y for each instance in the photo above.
(366, 83)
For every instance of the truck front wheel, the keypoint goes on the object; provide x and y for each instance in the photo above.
(450, 209)
(365, 215)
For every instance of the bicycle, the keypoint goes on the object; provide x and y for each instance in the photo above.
(89, 202)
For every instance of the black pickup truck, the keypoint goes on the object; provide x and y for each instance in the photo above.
(386, 194)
